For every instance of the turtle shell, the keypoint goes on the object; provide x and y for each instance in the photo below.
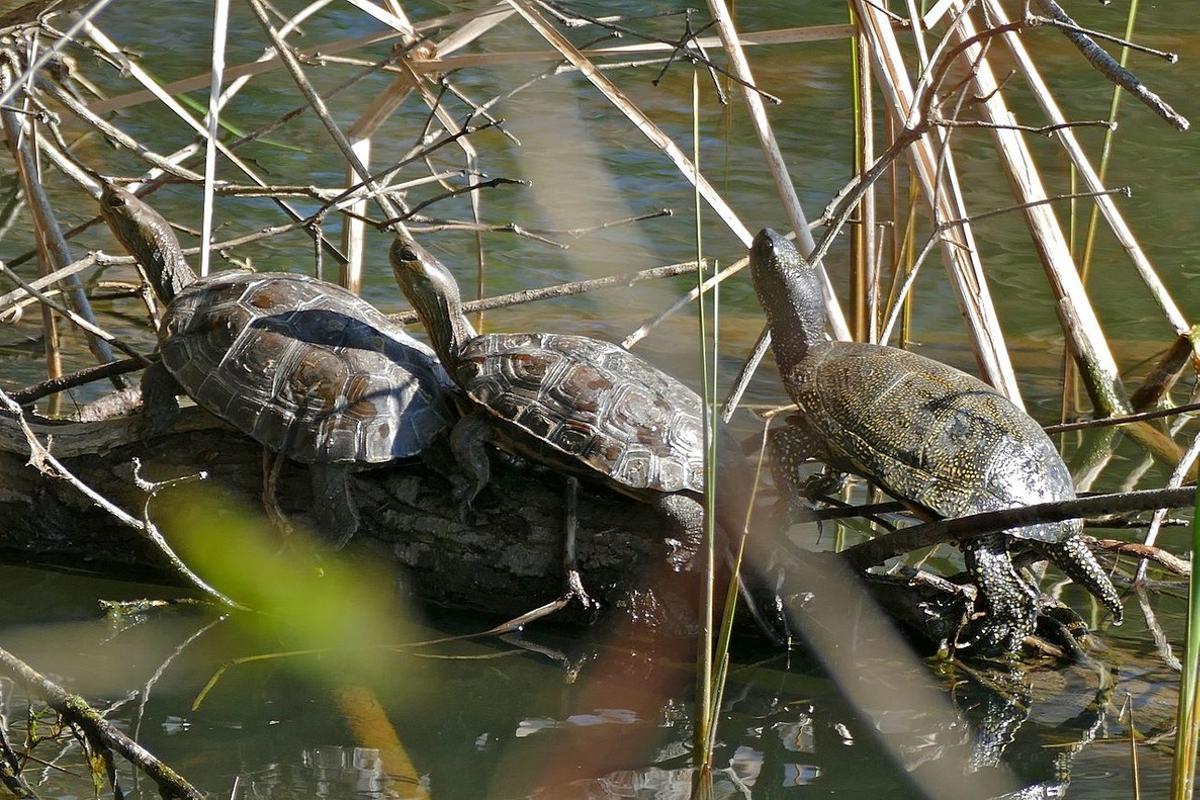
(929, 433)
(589, 407)
(305, 367)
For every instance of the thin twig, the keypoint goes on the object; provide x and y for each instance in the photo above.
(44, 462)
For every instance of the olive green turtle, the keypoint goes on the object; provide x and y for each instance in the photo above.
(926, 433)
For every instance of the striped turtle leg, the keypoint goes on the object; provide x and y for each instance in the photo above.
(686, 517)
(333, 502)
(1077, 562)
(1011, 603)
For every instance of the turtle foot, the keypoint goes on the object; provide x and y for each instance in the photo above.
(990, 636)
(575, 591)
(464, 494)
(1075, 559)
(1061, 626)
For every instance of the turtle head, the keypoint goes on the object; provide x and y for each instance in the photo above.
(789, 290)
(434, 294)
(148, 237)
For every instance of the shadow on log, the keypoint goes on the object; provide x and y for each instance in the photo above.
(502, 560)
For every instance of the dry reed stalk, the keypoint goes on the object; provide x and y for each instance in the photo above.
(115, 133)
(656, 135)
(1091, 179)
(635, 115)
(867, 215)
(780, 36)
(53, 252)
(740, 67)
(359, 136)
(1176, 480)
(10, 299)
(380, 109)
(317, 103)
(1098, 367)
(220, 27)
(110, 47)
(958, 248)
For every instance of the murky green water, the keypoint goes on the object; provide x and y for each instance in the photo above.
(553, 714)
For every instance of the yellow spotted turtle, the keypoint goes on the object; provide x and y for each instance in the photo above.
(926, 433)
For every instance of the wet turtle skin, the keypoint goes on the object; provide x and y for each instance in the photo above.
(925, 433)
(305, 367)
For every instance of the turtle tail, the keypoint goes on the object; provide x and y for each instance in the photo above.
(1074, 558)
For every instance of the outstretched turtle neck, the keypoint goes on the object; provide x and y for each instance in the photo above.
(789, 289)
(148, 237)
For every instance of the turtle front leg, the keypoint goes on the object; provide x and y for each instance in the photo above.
(467, 441)
(1077, 562)
(1011, 603)
(333, 504)
(160, 406)
(790, 449)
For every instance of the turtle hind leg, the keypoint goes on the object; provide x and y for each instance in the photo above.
(575, 588)
(686, 517)
(467, 440)
(160, 406)
(1011, 603)
(1077, 562)
(333, 504)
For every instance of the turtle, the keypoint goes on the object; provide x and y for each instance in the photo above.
(942, 441)
(306, 368)
(586, 407)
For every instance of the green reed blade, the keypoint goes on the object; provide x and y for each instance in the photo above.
(1183, 776)
(704, 655)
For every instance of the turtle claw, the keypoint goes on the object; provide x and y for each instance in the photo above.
(988, 636)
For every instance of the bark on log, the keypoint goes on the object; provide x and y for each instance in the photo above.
(504, 559)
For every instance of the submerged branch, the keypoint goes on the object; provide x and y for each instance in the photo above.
(99, 732)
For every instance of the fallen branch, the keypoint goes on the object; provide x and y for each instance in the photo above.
(880, 549)
(47, 464)
(1108, 66)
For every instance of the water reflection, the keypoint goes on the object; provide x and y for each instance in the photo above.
(488, 719)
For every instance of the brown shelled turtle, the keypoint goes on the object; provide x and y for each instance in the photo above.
(927, 434)
(583, 406)
(306, 368)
